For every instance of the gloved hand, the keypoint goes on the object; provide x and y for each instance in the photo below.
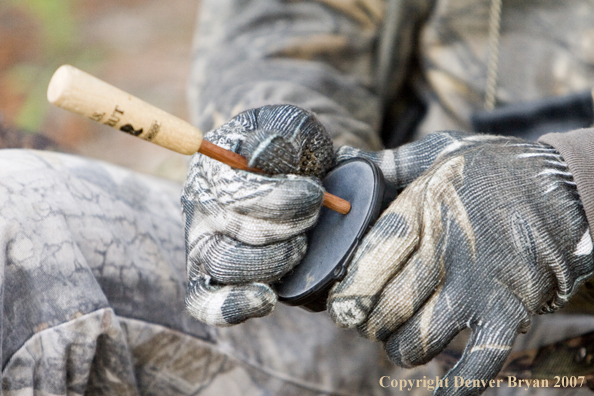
(489, 232)
(245, 230)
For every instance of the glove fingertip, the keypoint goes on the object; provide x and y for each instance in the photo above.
(254, 300)
(228, 305)
(348, 312)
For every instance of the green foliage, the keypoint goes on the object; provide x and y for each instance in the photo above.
(57, 22)
(59, 36)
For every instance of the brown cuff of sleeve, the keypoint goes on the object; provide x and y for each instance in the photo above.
(577, 149)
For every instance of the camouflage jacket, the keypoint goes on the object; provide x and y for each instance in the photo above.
(360, 64)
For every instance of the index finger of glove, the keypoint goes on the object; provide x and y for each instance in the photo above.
(485, 353)
(489, 345)
(381, 255)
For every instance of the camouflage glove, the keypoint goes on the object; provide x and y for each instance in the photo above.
(245, 230)
(490, 232)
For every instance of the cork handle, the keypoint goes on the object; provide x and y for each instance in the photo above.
(79, 92)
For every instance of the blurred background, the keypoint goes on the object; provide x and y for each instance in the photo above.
(140, 46)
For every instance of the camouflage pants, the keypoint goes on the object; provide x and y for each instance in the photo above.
(93, 279)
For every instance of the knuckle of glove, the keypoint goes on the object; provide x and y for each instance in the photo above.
(254, 209)
(287, 139)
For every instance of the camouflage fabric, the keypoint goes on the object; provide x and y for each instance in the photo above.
(314, 54)
(94, 267)
(544, 50)
(359, 64)
(446, 255)
(93, 278)
(93, 283)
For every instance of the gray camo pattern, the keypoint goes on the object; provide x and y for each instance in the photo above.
(93, 283)
(353, 63)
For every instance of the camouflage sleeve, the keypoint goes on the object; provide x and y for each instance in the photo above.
(333, 57)
(92, 280)
(577, 148)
